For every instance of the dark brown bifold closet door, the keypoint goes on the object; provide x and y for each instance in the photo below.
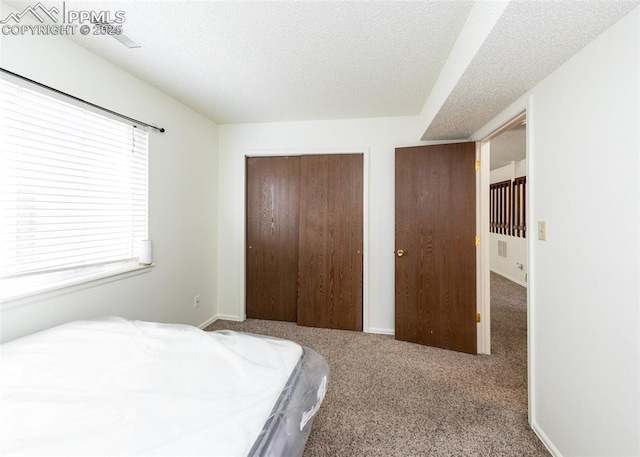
(330, 253)
(272, 237)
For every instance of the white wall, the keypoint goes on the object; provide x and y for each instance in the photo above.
(584, 280)
(514, 170)
(376, 138)
(509, 267)
(514, 266)
(182, 200)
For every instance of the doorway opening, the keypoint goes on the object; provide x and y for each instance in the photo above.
(505, 256)
(507, 204)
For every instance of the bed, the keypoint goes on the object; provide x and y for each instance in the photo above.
(118, 387)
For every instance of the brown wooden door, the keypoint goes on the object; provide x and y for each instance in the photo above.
(272, 237)
(330, 255)
(435, 228)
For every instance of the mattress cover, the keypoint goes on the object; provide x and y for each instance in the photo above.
(112, 386)
(288, 427)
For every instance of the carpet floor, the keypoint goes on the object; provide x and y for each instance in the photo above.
(392, 398)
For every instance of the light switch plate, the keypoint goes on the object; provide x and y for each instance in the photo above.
(542, 230)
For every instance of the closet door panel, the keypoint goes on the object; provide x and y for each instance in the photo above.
(272, 215)
(330, 249)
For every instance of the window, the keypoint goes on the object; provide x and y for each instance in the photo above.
(73, 189)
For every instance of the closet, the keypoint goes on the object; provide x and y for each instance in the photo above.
(304, 227)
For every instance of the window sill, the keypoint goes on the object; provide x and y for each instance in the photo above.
(13, 290)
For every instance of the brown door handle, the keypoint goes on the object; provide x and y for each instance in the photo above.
(400, 252)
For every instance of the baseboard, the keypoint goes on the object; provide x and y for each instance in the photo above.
(380, 331)
(517, 281)
(545, 440)
(229, 317)
(208, 322)
(224, 317)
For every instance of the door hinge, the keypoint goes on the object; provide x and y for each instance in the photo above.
(477, 240)
(478, 318)
(477, 165)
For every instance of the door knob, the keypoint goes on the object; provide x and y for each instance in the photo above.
(400, 252)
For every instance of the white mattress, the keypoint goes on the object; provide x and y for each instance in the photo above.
(117, 387)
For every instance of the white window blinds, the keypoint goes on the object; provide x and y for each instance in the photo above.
(73, 185)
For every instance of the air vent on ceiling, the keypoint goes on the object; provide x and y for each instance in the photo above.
(121, 37)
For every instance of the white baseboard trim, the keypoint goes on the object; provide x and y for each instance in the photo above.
(545, 440)
(381, 331)
(523, 284)
(229, 317)
(224, 317)
(208, 322)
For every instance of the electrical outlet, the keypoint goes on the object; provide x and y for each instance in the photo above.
(196, 301)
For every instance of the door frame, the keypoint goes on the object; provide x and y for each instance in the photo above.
(291, 152)
(483, 180)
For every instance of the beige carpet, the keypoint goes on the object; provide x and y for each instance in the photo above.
(391, 398)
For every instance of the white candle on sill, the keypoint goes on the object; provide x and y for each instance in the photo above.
(145, 252)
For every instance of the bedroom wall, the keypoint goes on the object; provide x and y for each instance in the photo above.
(376, 138)
(182, 200)
(583, 285)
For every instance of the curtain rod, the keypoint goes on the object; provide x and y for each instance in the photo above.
(159, 129)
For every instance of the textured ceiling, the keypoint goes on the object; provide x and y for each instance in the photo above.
(254, 61)
(530, 40)
(284, 61)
